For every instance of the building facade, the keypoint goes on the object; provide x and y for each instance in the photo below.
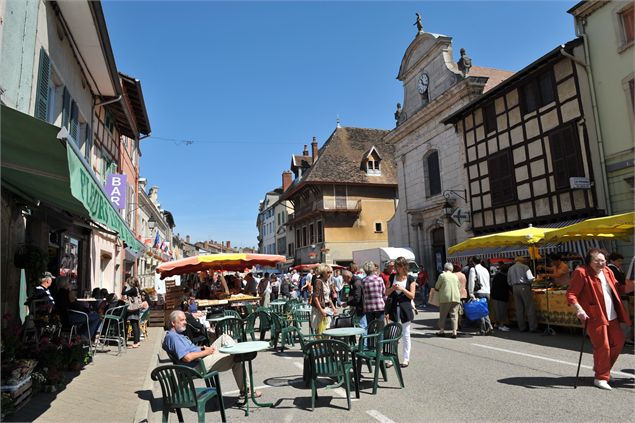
(64, 114)
(531, 147)
(343, 196)
(607, 30)
(428, 154)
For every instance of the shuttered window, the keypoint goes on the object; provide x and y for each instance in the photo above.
(566, 158)
(43, 82)
(538, 91)
(628, 23)
(489, 117)
(502, 180)
(320, 235)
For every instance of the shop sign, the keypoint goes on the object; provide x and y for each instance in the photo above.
(116, 190)
(94, 199)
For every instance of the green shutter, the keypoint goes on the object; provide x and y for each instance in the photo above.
(42, 94)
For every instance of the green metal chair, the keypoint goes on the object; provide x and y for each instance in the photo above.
(329, 358)
(233, 327)
(113, 329)
(177, 386)
(143, 323)
(385, 349)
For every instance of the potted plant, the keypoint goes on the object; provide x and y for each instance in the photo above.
(33, 259)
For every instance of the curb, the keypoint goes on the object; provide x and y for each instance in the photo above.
(143, 409)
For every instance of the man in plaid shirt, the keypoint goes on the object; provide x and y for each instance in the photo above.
(374, 293)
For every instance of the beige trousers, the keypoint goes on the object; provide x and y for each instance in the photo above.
(453, 309)
(222, 362)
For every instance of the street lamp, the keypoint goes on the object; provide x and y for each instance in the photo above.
(448, 208)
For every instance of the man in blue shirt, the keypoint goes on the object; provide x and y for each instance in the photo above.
(179, 347)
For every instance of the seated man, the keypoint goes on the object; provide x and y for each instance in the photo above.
(180, 348)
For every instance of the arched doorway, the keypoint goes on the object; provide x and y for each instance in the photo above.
(438, 250)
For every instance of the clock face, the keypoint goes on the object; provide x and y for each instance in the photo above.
(422, 85)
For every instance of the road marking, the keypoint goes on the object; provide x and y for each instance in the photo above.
(378, 416)
(629, 375)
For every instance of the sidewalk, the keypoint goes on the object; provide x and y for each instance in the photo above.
(113, 389)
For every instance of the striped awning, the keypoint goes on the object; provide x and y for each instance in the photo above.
(578, 247)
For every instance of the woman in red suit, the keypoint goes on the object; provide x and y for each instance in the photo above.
(593, 293)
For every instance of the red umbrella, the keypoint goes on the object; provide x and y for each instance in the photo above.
(232, 262)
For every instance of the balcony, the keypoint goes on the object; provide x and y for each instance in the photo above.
(329, 205)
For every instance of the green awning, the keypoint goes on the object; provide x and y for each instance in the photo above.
(39, 166)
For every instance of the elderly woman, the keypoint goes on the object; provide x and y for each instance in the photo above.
(322, 306)
(449, 298)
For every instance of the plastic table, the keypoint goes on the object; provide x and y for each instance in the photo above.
(246, 352)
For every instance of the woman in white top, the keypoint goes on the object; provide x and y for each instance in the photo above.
(402, 291)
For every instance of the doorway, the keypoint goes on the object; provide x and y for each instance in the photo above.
(438, 250)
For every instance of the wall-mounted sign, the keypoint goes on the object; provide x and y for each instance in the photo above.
(459, 217)
(577, 182)
(116, 190)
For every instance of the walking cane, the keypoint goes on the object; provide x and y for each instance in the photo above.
(577, 374)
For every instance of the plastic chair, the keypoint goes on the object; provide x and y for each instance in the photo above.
(368, 344)
(177, 386)
(143, 323)
(233, 327)
(112, 328)
(329, 358)
(231, 313)
(264, 317)
(281, 331)
(250, 326)
(302, 315)
(385, 349)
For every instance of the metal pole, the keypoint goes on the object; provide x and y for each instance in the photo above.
(577, 373)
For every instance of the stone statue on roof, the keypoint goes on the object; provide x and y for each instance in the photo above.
(398, 113)
(418, 23)
(464, 63)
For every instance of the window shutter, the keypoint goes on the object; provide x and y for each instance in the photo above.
(42, 94)
(66, 108)
(74, 123)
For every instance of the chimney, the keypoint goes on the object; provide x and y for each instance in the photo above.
(142, 183)
(286, 180)
(314, 149)
(305, 152)
(187, 239)
(154, 194)
(228, 244)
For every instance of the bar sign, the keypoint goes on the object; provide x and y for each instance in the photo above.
(116, 189)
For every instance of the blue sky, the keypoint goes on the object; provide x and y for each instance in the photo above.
(251, 82)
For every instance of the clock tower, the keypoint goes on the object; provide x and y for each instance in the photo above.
(429, 154)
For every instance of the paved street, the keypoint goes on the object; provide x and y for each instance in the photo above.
(506, 377)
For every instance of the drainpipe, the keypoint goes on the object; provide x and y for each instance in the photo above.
(579, 30)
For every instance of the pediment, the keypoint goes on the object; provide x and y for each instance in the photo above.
(419, 48)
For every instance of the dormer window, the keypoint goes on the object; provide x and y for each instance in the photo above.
(371, 162)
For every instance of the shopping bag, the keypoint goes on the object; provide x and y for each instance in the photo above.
(323, 325)
(476, 309)
(433, 297)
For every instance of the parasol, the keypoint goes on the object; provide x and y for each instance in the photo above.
(233, 262)
(305, 267)
(525, 236)
(616, 226)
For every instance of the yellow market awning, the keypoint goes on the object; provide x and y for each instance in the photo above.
(518, 237)
(616, 226)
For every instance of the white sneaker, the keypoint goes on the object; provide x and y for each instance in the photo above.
(602, 384)
(503, 328)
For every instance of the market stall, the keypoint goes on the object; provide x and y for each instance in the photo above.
(551, 303)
